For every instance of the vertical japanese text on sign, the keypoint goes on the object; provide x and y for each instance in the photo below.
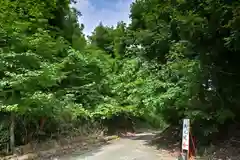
(185, 134)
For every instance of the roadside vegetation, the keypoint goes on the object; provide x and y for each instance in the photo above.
(175, 59)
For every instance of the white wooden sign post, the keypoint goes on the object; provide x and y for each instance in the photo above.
(185, 138)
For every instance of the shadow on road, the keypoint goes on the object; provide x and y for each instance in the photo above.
(87, 153)
(75, 151)
(167, 141)
(170, 141)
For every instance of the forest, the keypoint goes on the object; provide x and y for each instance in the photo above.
(176, 59)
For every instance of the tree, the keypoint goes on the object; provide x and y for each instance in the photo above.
(31, 60)
(102, 38)
(183, 33)
(176, 59)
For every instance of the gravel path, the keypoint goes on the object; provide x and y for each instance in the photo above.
(122, 149)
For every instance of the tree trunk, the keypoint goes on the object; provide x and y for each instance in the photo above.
(12, 136)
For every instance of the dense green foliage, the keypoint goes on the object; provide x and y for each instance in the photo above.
(196, 43)
(111, 40)
(176, 59)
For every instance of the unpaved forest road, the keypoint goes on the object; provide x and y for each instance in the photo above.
(135, 148)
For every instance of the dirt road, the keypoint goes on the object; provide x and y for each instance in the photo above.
(135, 148)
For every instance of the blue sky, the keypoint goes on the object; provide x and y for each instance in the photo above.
(109, 12)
